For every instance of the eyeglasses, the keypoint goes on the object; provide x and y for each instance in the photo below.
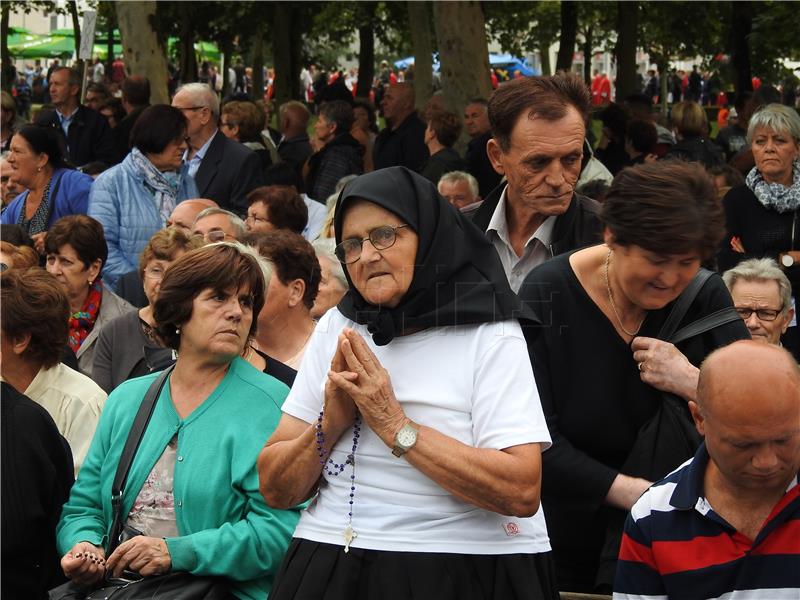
(154, 273)
(191, 107)
(228, 124)
(763, 314)
(254, 219)
(381, 238)
(216, 235)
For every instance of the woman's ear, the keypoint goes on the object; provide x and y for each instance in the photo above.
(94, 270)
(297, 290)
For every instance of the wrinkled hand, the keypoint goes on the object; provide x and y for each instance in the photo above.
(664, 367)
(141, 554)
(38, 242)
(85, 564)
(339, 410)
(369, 385)
(650, 158)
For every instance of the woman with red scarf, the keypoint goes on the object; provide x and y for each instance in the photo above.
(76, 251)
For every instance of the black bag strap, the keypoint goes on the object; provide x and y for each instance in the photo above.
(682, 304)
(721, 317)
(53, 194)
(132, 443)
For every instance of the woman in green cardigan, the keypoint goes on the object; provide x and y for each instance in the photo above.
(192, 489)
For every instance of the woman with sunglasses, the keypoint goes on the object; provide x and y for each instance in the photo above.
(414, 418)
(134, 199)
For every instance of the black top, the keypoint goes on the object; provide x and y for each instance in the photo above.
(37, 474)
(479, 165)
(90, 138)
(764, 232)
(401, 147)
(442, 162)
(340, 157)
(613, 156)
(593, 398)
(295, 151)
(280, 371)
(696, 149)
(122, 134)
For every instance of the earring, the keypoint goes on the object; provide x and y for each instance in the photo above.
(177, 331)
(38, 169)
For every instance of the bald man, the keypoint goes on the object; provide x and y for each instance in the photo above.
(728, 521)
(186, 212)
(294, 147)
(402, 142)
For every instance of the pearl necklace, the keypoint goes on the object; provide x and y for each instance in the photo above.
(614, 306)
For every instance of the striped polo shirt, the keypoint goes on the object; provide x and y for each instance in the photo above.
(676, 546)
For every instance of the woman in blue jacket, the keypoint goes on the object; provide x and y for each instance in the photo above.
(52, 189)
(133, 199)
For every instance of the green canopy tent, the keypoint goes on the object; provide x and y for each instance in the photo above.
(45, 46)
(20, 35)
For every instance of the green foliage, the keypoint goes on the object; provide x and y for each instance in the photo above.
(774, 37)
(523, 27)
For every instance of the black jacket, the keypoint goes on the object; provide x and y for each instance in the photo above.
(442, 162)
(578, 227)
(697, 149)
(228, 172)
(90, 138)
(479, 165)
(401, 147)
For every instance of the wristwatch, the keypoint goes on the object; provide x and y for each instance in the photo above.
(787, 260)
(405, 439)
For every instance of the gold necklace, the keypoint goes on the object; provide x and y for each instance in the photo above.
(614, 306)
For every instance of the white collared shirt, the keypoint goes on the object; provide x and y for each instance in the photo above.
(74, 401)
(537, 248)
(194, 162)
(66, 121)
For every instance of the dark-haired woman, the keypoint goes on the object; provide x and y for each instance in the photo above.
(52, 190)
(192, 490)
(76, 253)
(600, 370)
(415, 416)
(134, 199)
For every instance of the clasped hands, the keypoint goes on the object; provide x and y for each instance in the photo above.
(358, 381)
(86, 564)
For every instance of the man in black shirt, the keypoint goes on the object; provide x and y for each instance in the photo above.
(476, 123)
(402, 142)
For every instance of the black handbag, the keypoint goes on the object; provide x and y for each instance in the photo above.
(669, 438)
(132, 586)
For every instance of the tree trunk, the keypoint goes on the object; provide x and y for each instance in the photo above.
(588, 47)
(76, 26)
(110, 40)
(282, 53)
(366, 49)
(188, 59)
(569, 30)
(741, 26)
(6, 10)
(419, 20)
(544, 57)
(463, 52)
(625, 50)
(226, 47)
(258, 66)
(663, 82)
(143, 54)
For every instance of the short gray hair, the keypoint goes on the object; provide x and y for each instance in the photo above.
(456, 176)
(324, 248)
(235, 220)
(761, 269)
(777, 118)
(202, 95)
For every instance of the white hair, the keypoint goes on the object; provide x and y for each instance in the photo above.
(202, 95)
(761, 269)
(777, 118)
(235, 219)
(324, 248)
(456, 176)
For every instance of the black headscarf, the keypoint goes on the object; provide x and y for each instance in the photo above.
(458, 278)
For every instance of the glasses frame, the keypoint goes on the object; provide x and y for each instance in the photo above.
(750, 311)
(340, 249)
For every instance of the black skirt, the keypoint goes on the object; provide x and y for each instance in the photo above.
(317, 571)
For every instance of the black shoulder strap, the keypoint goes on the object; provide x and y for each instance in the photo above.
(682, 304)
(132, 443)
(52, 199)
(721, 317)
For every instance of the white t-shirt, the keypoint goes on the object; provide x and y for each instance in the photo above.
(473, 383)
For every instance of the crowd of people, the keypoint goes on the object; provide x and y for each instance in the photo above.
(332, 360)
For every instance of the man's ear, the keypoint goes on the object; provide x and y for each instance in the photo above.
(608, 237)
(697, 415)
(495, 154)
